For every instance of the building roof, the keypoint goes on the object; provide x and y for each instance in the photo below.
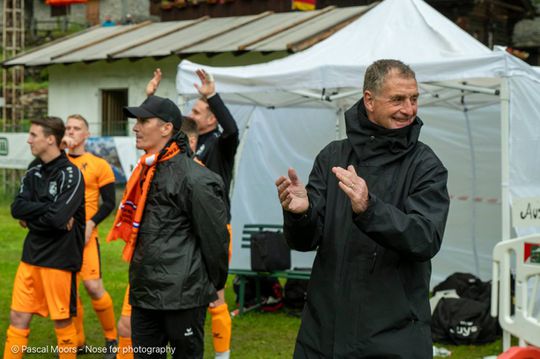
(265, 32)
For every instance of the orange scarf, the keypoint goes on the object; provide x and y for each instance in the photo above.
(129, 215)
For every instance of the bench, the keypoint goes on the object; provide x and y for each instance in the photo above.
(243, 274)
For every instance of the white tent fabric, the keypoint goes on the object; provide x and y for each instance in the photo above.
(480, 110)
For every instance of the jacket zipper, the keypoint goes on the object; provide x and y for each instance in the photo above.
(373, 260)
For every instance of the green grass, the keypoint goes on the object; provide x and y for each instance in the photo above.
(255, 335)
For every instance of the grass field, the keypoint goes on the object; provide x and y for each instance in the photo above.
(255, 335)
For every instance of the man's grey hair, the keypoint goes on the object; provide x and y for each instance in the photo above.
(377, 71)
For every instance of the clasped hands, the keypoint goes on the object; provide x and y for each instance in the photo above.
(293, 195)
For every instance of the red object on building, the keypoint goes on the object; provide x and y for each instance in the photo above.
(304, 5)
(521, 353)
(64, 2)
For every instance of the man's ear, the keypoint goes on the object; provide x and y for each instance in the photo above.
(369, 98)
(166, 129)
(51, 139)
(212, 120)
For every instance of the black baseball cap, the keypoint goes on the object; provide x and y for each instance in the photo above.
(155, 106)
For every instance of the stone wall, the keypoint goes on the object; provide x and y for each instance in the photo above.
(117, 9)
(527, 33)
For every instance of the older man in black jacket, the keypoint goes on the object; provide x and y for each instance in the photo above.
(173, 217)
(375, 209)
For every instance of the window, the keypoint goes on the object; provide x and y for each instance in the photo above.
(62, 10)
(113, 121)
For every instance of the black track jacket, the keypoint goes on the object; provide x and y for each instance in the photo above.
(50, 194)
(369, 288)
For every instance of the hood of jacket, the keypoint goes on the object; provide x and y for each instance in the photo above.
(376, 145)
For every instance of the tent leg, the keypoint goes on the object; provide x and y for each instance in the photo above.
(506, 340)
(505, 179)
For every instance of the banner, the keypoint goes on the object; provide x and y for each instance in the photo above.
(120, 152)
(526, 212)
(14, 151)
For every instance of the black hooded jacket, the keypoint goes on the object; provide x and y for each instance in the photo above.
(369, 288)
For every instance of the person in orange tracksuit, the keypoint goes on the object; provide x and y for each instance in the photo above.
(99, 182)
(50, 204)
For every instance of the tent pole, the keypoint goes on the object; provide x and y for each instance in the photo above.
(239, 152)
(464, 87)
(505, 178)
(505, 171)
(474, 179)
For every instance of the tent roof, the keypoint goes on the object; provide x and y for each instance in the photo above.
(408, 30)
(265, 32)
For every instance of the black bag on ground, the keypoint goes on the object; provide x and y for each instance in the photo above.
(467, 319)
(295, 293)
(463, 321)
(467, 286)
(269, 252)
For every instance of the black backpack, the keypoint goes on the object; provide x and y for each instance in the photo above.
(466, 286)
(269, 252)
(464, 320)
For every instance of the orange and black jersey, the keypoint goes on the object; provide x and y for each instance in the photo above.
(50, 194)
(99, 181)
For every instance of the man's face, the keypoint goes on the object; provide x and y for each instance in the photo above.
(77, 130)
(205, 119)
(38, 141)
(396, 104)
(149, 134)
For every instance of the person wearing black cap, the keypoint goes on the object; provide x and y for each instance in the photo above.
(217, 150)
(173, 219)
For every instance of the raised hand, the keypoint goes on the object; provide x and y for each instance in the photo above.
(207, 87)
(67, 142)
(153, 84)
(354, 187)
(292, 193)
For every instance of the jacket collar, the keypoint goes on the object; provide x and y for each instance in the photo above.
(56, 163)
(374, 144)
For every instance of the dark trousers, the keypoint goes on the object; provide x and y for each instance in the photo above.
(183, 330)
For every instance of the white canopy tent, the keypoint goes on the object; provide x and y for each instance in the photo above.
(480, 109)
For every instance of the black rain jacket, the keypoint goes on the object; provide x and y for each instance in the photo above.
(181, 255)
(368, 296)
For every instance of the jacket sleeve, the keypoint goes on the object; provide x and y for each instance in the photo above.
(69, 198)
(209, 214)
(228, 140)
(223, 116)
(417, 230)
(108, 203)
(23, 207)
(304, 232)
